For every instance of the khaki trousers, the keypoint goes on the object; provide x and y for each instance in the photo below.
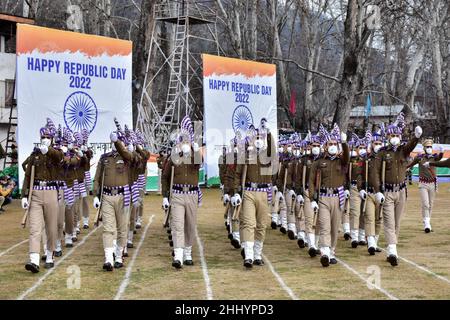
(133, 214)
(115, 219)
(76, 211)
(69, 219)
(300, 222)
(427, 193)
(61, 215)
(372, 218)
(393, 207)
(289, 204)
(254, 216)
(2, 199)
(235, 223)
(43, 213)
(141, 206)
(329, 221)
(307, 220)
(356, 216)
(183, 221)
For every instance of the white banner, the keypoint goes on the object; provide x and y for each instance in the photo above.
(79, 81)
(237, 93)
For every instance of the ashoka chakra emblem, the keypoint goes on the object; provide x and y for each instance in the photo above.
(80, 112)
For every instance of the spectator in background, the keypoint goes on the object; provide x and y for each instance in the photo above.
(6, 189)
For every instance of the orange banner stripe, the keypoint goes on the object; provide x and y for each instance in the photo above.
(30, 38)
(229, 66)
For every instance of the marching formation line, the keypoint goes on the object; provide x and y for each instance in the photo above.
(126, 279)
(209, 293)
(423, 269)
(58, 262)
(13, 247)
(280, 279)
(385, 292)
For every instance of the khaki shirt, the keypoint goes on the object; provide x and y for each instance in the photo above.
(304, 162)
(397, 161)
(44, 167)
(287, 170)
(357, 171)
(185, 172)
(333, 172)
(374, 163)
(428, 174)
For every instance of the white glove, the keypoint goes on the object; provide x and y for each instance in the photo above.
(441, 149)
(83, 148)
(113, 137)
(279, 196)
(300, 199)
(347, 194)
(226, 199)
(292, 194)
(314, 205)
(380, 198)
(426, 164)
(195, 147)
(236, 200)
(24, 203)
(221, 187)
(80, 153)
(418, 132)
(363, 194)
(165, 204)
(64, 149)
(343, 137)
(275, 189)
(96, 203)
(44, 149)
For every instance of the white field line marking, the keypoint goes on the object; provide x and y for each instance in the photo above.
(423, 269)
(209, 293)
(13, 247)
(280, 280)
(126, 279)
(58, 262)
(385, 292)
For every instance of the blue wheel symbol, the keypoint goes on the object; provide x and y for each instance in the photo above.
(242, 118)
(80, 112)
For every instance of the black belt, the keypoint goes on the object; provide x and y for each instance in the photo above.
(395, 187)
(114, 191)
(329, 191)
(45, 183)
(185, 189)
(257, 185)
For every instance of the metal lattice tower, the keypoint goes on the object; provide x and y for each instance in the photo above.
(182, 31)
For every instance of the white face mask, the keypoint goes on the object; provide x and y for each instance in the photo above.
(280, 150)
(46, 142)
(186, 149)
(70, 146)
(259, 144)
(376, 148)
(362, 152)
(315, 151)
(235, 150)
(332, 150)
(296, 153)
(64, 149)
(395, 141)
(308, 152)
(353, 154)
(130, 148)
(429, 150)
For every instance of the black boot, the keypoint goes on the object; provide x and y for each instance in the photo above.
(32, 267)
(291, 235)
(325, 261)
(129, 245)
(188, 262)
(230, 236)
(354, 244)
(312, 252)
(49, 265)
(347, 236)
(283, 230)
(235, 243)
(427, 230)
(393, 260)
(171, 243)
(371, 251)
(248, 263)
(258, 262)
(176, 264)
(301, 243)
(273, 225)
(118, 265)
(333, 261)
(108, 266)
(44, 257)
(58, 253)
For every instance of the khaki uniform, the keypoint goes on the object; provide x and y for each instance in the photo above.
(43, 210)
(116, 198)
(306, 220)
(287, 171)
(227, 178)
(356, 217)
(186, 196)
(395, 188)
(427, 184)
(331, 203)
(86, 166)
